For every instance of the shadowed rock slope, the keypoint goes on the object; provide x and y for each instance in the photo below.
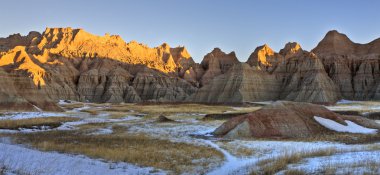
(64, 63)
(355, 68)
(292, 74)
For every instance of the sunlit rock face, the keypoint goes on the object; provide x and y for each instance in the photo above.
(216, 63)
(263, 57)
(64, 63)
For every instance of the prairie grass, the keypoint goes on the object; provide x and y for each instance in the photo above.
(92, 112)
(169, 108)
(138, 149)
(52, 122)
(274, 165)
(347, 138)
(372, 167)
(239, 151)
(70, 106)
(119, 115)
(91, 126)
(294, 172)
(373, 147)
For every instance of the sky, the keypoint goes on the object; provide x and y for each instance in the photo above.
(200, 25)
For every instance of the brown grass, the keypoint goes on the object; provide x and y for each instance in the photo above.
(92, 112)
(70, 106)
(52, 122)
(348, 138)
(274, 165)
(133, 148)
(169, 108)
(372, 166)
(91, 127)
(295, 172)
(240, 151)
(373, 147)
(119, 115)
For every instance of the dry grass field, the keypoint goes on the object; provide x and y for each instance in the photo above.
(137, 149)
(51, 122)
(130, 133)
(274, 165)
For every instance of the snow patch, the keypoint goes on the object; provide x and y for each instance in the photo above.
(81, 108)
(62, 102)
(344, 105)
(316, 165)
(343, 101)
(351, 126)
(22, 160)
(28, 115)
(72, 125)
(231, 163)
(103, 131)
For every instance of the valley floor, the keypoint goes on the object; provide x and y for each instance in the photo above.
(128, 139)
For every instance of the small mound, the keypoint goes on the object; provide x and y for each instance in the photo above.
(285, 119)
(372, 115)
(163, 119)
(357, 113)
(222, 116)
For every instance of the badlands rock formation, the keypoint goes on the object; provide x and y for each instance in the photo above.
(353, 67)
(216, 63)
(286, 120)
(63, 63)
(292, 74)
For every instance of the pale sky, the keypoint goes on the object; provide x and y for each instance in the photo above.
(200, 25)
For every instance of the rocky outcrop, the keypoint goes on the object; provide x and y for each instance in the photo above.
(223, 116)
(285, 120)
(264, 58)
(17, 40)
(304, 79)
(353, 67)
(240, 84)
(65, 63)
(216, 63)
(163, 119)
(9, 97)
(72, 64)
(153, 86)
(292, 74)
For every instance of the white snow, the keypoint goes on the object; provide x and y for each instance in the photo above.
(344, 161)
(187, 130)
(72, 125)
(103, 131)
(231, 163)
(38, 109)
(343, 101)
(81, 108)
(62, 102)
(204, 132)
(351, 126)
(65, 102)
(264, 150)
(344, 105)
(260, 102)
(27, 115)
(20, 160)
